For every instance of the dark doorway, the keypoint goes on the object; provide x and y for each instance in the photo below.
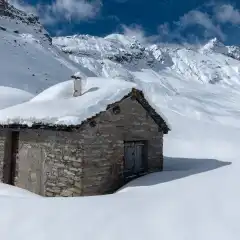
(10, 155)
(135, 159)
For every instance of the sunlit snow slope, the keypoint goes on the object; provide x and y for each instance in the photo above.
(200, 82)
(28, 59)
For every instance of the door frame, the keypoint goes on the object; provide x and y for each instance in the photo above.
(11, 147)
(128, 176)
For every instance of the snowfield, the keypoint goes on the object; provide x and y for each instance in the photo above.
(197, 88)
(196, 197)
(12, 191)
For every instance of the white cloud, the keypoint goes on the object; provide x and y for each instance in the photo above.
(180, 30)
(73, 9)
(134, 31)
(61, 10)
(196, 17)
(164, 29)
(227, 14)
(21, 5)
(137, 32)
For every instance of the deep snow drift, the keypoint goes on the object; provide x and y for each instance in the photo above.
(196, 197)
(57, 105)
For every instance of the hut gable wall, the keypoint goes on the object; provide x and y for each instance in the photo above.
(104, 145)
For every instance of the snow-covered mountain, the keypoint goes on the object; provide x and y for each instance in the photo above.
(120, 56)
(29, 61)
(201, 82)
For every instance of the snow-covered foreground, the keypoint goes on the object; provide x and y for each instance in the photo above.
(196, 197)
(12, 191)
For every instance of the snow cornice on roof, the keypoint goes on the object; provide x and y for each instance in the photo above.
(135, 94)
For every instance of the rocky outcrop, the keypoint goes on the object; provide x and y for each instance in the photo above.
(8, 11)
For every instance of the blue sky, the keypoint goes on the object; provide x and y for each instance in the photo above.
(149, 20)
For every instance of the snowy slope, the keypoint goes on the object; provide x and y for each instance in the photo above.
(201, 82)
(28, 59)
(119, 56)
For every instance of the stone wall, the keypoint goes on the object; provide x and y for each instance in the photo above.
(2, 142)
(104, 146)
(50, 162)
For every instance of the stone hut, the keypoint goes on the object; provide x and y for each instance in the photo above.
(94, 157)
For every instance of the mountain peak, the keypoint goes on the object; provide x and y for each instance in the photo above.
(214, 45)
(9, 11)
(19, 22)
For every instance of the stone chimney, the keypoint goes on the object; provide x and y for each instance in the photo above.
(77, 86)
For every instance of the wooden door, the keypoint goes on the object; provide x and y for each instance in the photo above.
(134, 158)
(10, 156)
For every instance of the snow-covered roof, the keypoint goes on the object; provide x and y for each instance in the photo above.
(57, 107)
(12, 96)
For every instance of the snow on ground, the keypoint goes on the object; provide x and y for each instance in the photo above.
(12, 96)
(12, 191)
(196, 197)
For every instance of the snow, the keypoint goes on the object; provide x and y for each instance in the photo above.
(196, 196)
(12, 96)
(59, 91)
(214, 45)
(11, 191)
(29, 61)
(50, 108)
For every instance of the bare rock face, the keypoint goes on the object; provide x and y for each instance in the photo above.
(3, 4)
(7, 11)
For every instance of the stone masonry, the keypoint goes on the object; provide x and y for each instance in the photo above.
(87, 161)
(2, 141)
(104, 146)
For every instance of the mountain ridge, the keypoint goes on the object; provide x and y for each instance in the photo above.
(199, 82)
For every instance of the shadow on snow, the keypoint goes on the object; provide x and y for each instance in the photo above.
(176, 168)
